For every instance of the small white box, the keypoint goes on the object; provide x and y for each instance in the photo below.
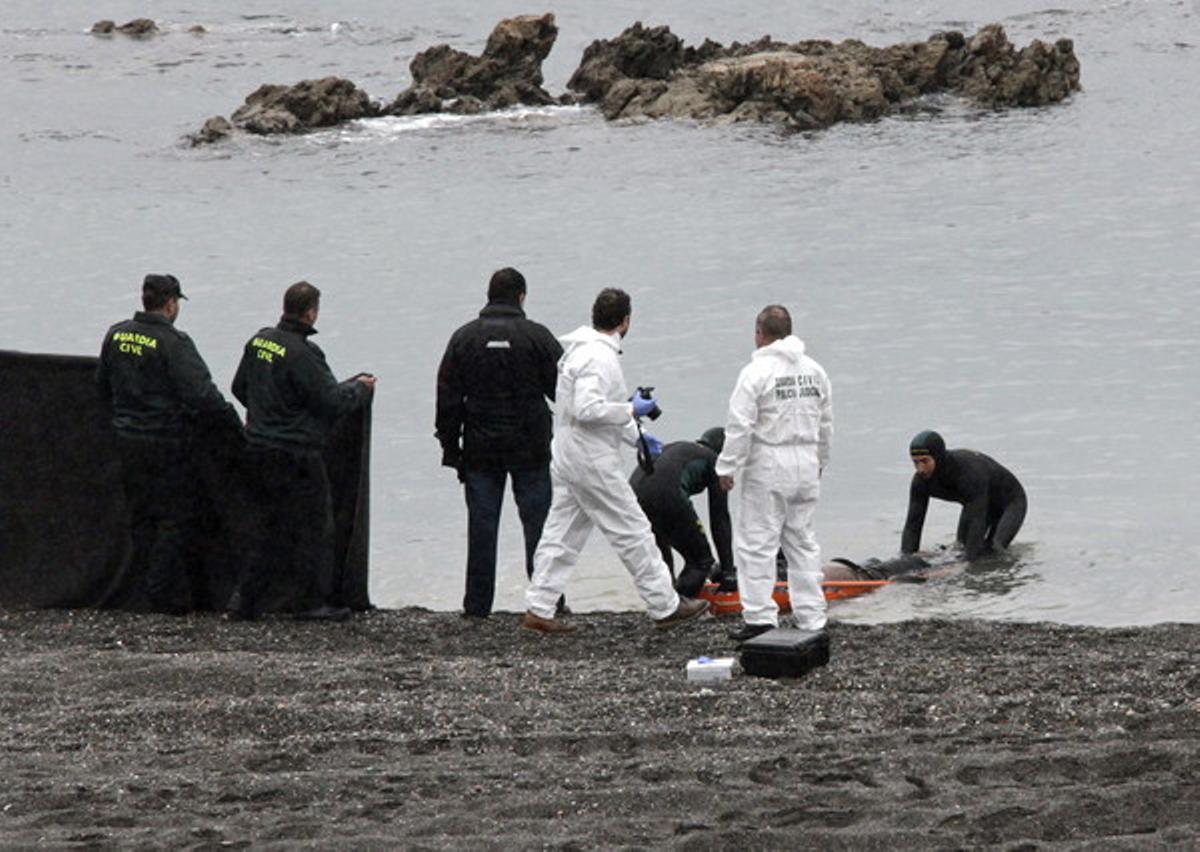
(706, 668)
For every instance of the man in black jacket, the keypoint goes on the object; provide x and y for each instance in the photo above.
(493, 422)
(159, 388)
(292, 401)
(992, 498)
(665, 494)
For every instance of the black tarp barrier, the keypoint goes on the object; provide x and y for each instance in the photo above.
(64, 535)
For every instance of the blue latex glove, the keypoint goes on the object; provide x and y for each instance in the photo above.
(642, 407)
(652, 444)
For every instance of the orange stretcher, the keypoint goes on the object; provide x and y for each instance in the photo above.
(728, 603)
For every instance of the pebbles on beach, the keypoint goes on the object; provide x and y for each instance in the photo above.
(426, 728)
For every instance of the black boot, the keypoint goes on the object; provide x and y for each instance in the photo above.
(691, 581)
(726, 582)
(748, 631)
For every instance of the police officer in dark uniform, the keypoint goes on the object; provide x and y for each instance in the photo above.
(992, 498)
(292, 401)
(159, 389)
(493, 423)
(686, 468)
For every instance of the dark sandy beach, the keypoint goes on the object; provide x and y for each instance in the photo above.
(418, 729)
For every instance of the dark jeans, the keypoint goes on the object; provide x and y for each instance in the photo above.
(159, 492)
(679, 528)
(484, 491)
(292, 537)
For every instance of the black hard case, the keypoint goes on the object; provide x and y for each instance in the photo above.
(784, 652)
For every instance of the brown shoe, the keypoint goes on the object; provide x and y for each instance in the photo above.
(544, 625)
(688, 609)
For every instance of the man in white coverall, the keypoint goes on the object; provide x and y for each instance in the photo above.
(594, 417)
(777, 438)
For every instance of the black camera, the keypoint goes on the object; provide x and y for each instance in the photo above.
(648, 393)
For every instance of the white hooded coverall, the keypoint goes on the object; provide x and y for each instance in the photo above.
(593, 419)
(777, 439)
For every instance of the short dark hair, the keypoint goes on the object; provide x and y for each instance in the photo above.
(507, 285)
(298, 298)
(610, 309)
(774, 322)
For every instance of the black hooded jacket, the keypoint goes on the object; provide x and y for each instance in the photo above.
(292, 399)
(982, 485)
(492, 386)
(686, 468)
(156, 381)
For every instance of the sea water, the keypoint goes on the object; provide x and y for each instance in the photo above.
(1023, 281)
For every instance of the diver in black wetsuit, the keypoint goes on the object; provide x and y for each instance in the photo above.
(685, 468)
(993, 500)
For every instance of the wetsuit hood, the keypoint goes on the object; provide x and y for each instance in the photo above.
(714, 439)
(928, 443)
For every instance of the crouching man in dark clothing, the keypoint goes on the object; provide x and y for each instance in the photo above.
(686, 468)
(993, 500)
(493, 423)
(159, 389)
(292, 401)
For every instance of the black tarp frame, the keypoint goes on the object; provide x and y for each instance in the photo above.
(64, 537)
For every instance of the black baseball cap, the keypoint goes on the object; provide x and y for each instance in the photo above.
(162, 285)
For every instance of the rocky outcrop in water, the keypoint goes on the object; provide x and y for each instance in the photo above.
(507, 73)
(273, 109)
(214, 130)
(648, 73)
(995, 74)
(138, 28)
(307, 105)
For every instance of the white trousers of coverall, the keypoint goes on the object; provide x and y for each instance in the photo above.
(593, 493)
(776, 512)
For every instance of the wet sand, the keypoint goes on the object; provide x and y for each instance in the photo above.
(423, 730)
